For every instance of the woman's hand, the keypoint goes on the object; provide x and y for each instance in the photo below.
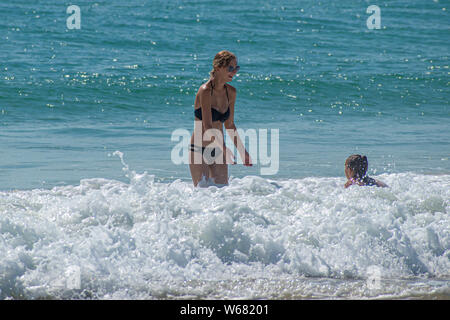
(247, 160)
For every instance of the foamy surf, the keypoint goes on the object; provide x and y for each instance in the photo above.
(256, 238)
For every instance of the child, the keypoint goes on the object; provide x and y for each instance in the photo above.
(356, 172)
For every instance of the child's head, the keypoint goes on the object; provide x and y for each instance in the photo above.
(356, 166)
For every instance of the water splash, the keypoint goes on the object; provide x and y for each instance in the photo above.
(147, 239)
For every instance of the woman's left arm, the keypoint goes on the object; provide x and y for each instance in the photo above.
(230, 127)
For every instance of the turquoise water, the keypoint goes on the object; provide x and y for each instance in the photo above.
(69, 99)
(128, 78)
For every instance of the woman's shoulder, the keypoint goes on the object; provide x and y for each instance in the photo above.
(231, 88)
(205, 89)
(231, 91)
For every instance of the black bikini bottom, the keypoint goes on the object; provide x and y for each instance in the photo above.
(195, 148)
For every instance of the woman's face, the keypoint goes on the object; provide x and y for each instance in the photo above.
(229, 71)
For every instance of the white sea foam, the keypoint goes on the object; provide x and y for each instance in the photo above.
(256, 238)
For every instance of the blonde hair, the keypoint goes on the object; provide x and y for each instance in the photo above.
(222, 59)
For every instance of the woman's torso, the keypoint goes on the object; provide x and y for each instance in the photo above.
(219, 111)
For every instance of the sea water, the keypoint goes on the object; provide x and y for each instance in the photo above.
(92, 205)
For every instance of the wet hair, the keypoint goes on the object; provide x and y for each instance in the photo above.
(222, 59)
(358, 164)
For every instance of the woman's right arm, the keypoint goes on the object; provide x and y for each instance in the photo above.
(205, 103)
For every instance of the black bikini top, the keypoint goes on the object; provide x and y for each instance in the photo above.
(216, 115)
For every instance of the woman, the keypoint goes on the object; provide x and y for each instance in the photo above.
(356, 172)
(214, 108)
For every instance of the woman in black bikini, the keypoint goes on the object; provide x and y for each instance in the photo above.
(356, 172)
(213, 108)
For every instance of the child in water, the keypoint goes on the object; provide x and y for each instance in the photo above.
(356, 172)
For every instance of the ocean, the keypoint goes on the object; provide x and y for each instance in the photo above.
(93, 206)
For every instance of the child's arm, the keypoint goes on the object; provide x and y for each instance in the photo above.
(381, 184)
